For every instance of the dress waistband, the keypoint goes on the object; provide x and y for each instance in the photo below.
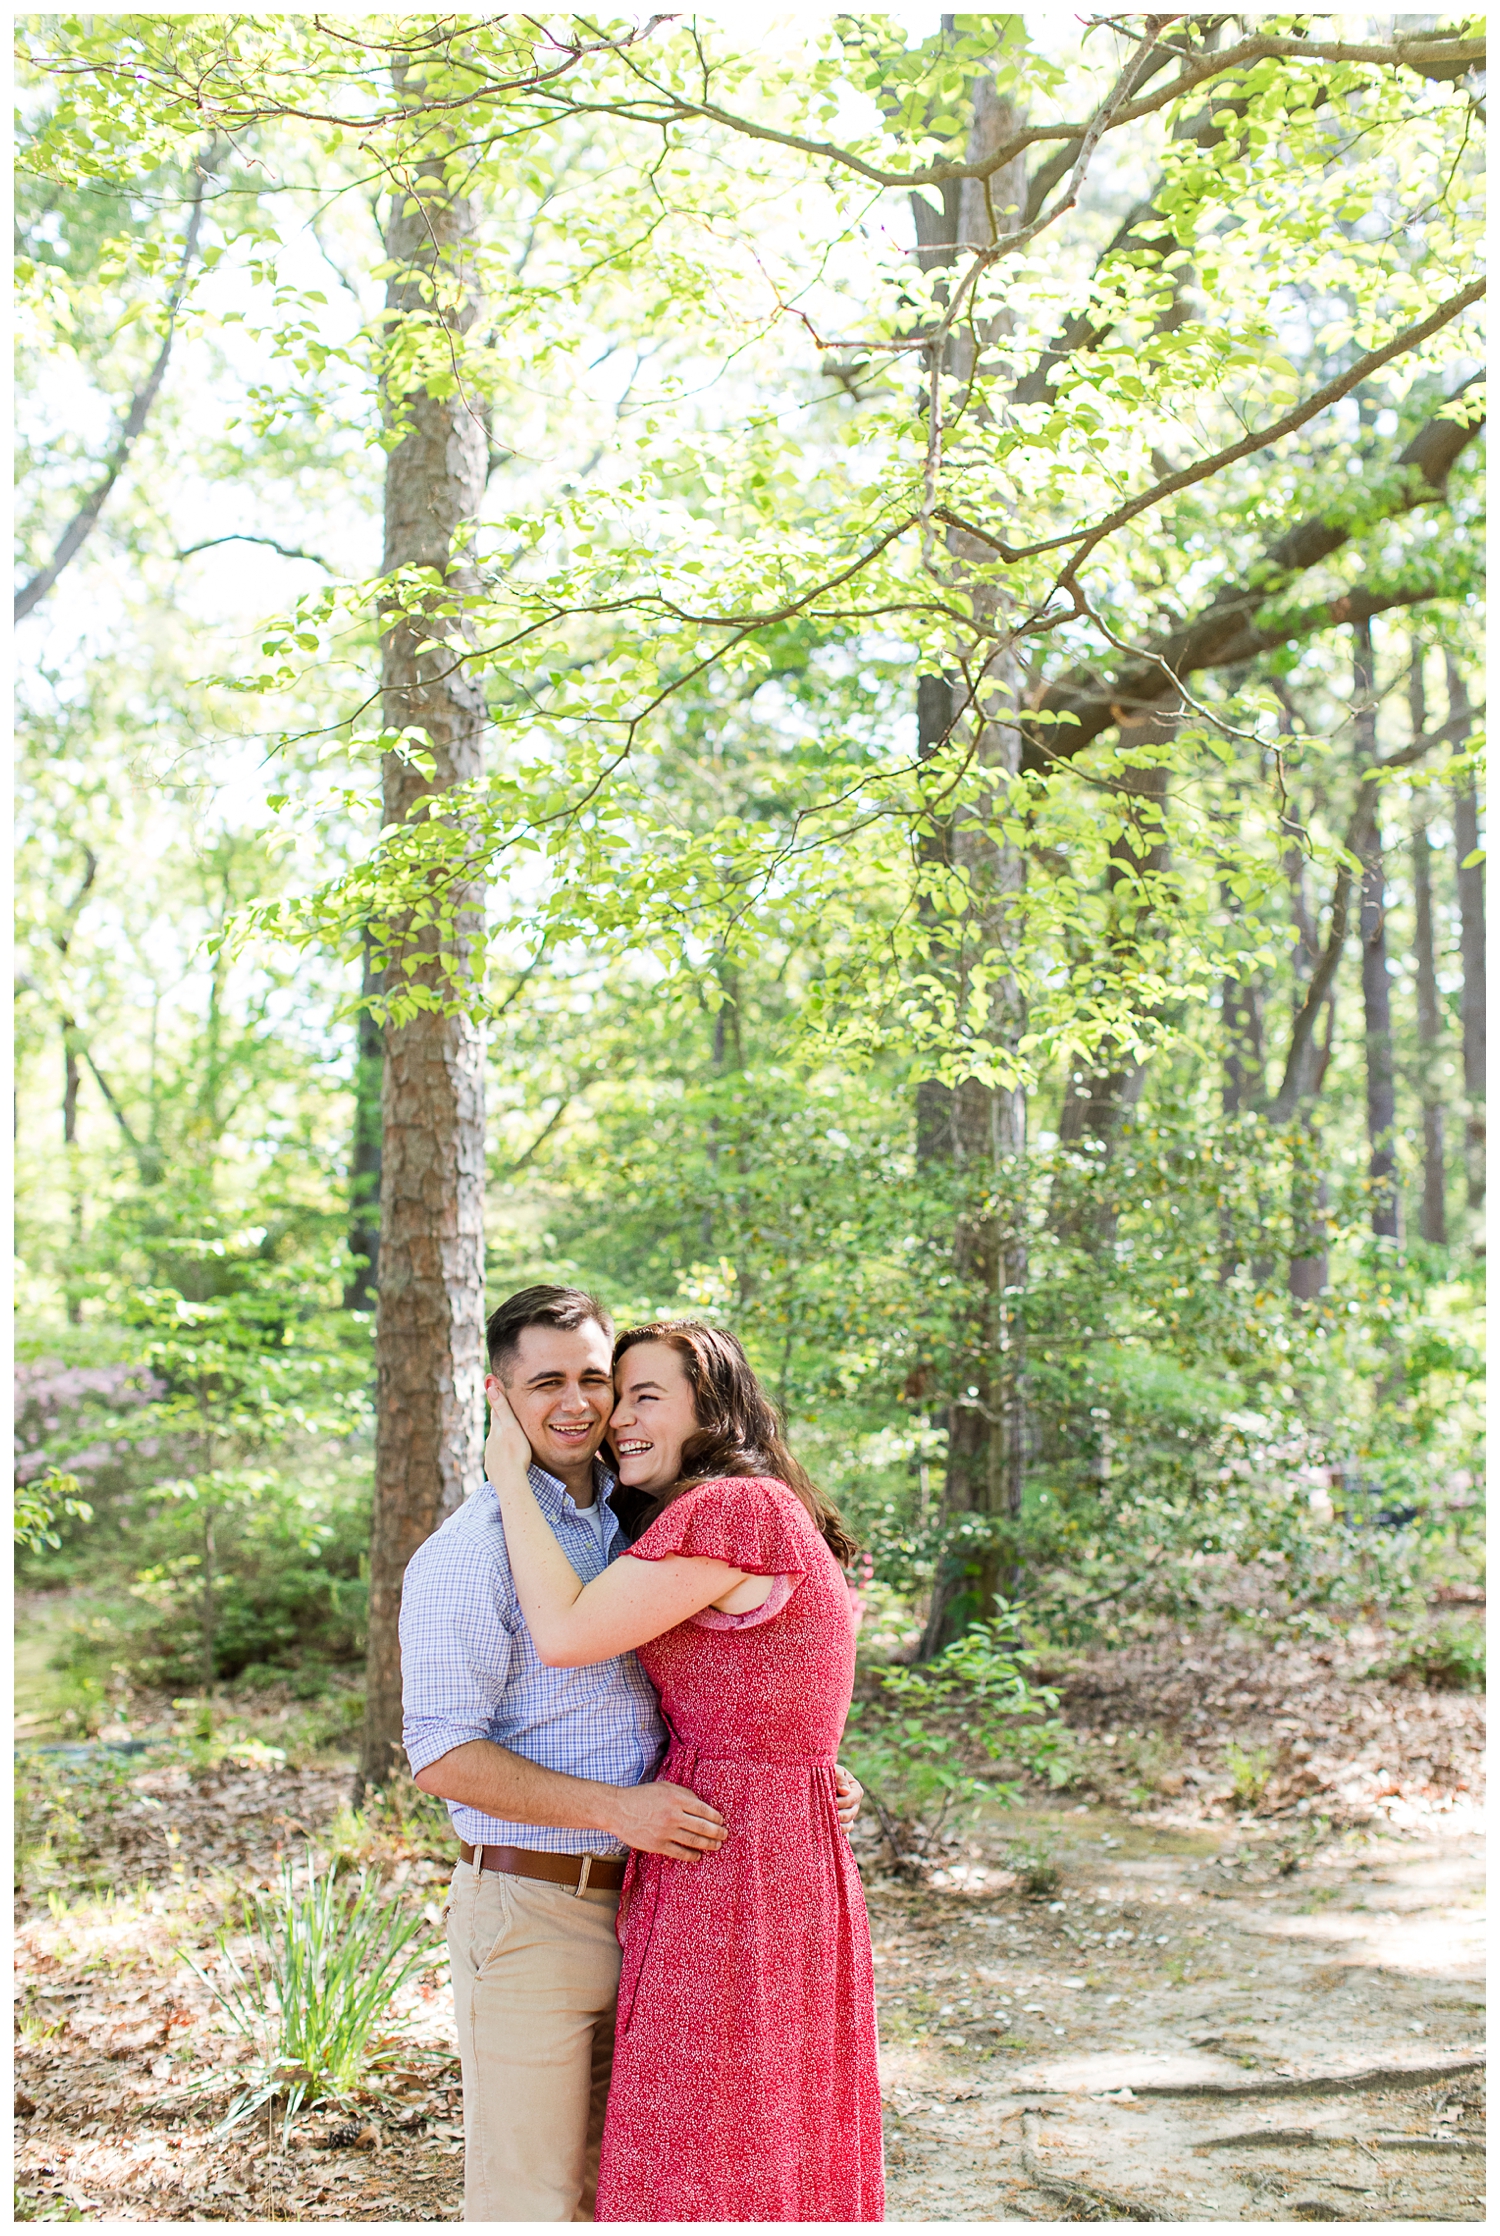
(680, 1747)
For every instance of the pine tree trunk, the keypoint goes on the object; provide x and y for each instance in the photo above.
(1471, 947)
(430, 1317)
(1375, 977)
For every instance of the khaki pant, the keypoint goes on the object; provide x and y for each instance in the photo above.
(535, 1973)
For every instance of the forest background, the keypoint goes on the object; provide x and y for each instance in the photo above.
(850, 659)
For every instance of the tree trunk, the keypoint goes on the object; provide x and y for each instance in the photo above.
(365, 1157)
(1307, 1270)
(1434, 1219)
(209, 1609)
(430, 1317)
(1471, 948)
(72, 1075)
(1242, 1014)
(1097, 1100)
(978, 1127)
(1375, 978)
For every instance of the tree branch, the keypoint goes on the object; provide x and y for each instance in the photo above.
(286, 550)
(80, 527)
(1089, 539)
(1224, 633)
(1427, 53)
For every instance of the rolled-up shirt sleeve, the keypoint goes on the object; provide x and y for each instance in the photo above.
(457, 1645)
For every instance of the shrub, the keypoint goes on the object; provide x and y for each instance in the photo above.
(1036, 1871)
(41, 1504)
(1450, 1657)
(912, 1746)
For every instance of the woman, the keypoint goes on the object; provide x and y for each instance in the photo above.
(745, 2084)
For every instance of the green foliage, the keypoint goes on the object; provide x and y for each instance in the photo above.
(230, 1483)
(1250, 1770)
(42, 1502)
(324, 1963)
(737, 920)
(914, 1745)
(1448, 1656)
(289, 1579)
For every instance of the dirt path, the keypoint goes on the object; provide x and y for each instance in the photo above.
(1145, 2044)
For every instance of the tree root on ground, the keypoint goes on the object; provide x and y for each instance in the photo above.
(1254, 2138)
(1091, 2202)
(1317, 2084)
(1257, 2138)
(1455, 2146)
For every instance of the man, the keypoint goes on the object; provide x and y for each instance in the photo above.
(547, 1774)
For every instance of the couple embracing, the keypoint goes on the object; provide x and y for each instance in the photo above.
(661, 1960)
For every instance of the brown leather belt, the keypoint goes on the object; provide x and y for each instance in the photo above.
(607, 1873)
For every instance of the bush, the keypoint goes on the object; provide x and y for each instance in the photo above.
(912, 1746)
(1250, 1770)
(1450, 1657)
(1035, 1868)
(289, 1588)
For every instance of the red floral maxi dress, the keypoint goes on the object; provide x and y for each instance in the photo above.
(745, 2085)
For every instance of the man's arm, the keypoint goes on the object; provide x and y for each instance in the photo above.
(662, 1819)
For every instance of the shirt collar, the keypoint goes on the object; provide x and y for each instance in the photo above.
(552, 1492)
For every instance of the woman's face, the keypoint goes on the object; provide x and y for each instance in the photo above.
(653, 1416)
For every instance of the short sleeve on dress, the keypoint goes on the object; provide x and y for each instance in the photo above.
(714, 1618)
(738, 1519)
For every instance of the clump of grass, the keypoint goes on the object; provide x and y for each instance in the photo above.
(326, 1961)
(1035, 1868)
(1250, 1768)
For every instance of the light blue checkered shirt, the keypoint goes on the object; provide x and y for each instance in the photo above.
(470, 1671)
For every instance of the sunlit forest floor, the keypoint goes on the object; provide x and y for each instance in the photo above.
(1190, 2003)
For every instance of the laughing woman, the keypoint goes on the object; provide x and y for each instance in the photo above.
(745, 2084)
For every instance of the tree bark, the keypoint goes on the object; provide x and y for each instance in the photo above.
(979, 1127)
(365, 1148)
(430, 1316)
(1375, 977)
(1471, 948)
(1434, 1217)
(1099, 1098)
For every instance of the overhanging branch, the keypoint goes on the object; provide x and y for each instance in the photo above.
(1225, 632)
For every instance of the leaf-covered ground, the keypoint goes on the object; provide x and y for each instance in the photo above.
(1256, 2005)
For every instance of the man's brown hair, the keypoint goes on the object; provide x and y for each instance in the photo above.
(541, 1307)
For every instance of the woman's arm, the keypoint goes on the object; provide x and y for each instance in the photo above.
(571, 1623)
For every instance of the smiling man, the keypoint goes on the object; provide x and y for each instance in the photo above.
(547, 1774)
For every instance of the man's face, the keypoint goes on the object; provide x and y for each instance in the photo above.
(560, 1389)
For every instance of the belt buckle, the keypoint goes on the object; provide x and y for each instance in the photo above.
(585, 1868)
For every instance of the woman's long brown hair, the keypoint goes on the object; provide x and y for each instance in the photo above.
(740, 1431)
